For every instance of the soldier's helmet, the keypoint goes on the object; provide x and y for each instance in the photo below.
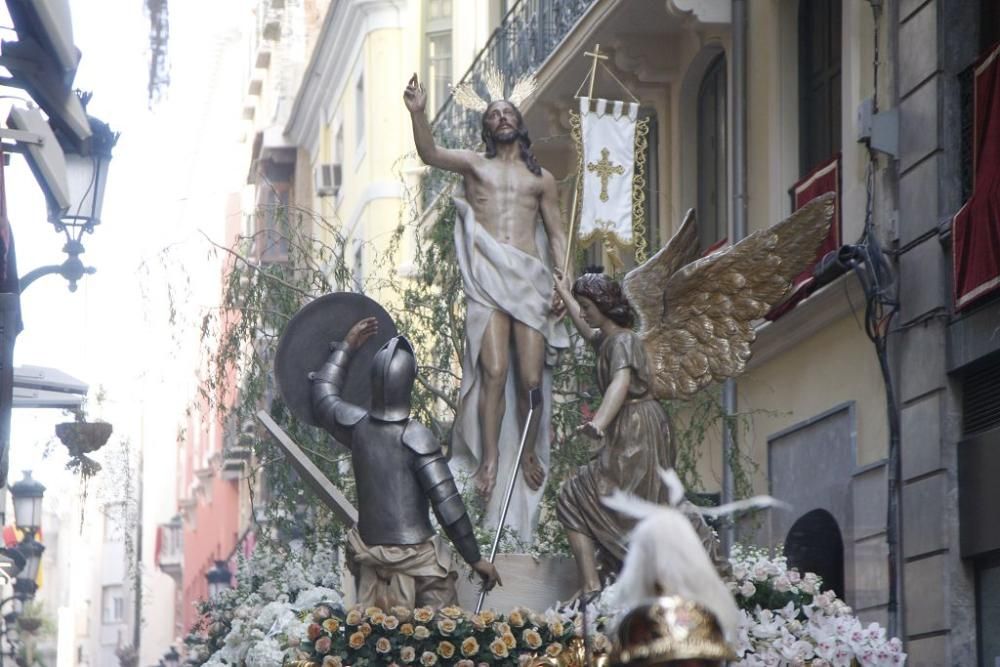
(394, 369)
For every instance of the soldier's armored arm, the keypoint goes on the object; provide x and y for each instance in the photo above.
(331, 411)
(439, 485)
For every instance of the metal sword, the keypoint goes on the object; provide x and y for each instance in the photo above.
(534, 400)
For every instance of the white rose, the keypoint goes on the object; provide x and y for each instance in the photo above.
(782, 584)
(760, 571)
(747, 590)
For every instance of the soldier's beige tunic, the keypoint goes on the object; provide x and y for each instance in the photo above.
(411, 575)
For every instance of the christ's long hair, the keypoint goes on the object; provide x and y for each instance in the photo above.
(606, 294)
(523, 140)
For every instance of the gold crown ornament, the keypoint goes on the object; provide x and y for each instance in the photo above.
(666, 629)
(574, 655)
(465, 94)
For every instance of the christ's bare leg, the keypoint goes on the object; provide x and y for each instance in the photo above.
(493, 363)
(583, 549)
(530, 347)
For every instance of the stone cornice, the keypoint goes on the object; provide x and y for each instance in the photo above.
(347, 24)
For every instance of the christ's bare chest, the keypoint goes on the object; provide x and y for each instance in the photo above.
(505, 197)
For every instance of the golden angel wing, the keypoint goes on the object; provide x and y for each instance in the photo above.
(643, 285)
(711, 304)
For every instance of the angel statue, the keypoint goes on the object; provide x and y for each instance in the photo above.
(696, 325)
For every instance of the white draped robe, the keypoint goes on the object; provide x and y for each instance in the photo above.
(498, 276)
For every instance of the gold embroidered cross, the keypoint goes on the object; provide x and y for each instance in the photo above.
(604, 170)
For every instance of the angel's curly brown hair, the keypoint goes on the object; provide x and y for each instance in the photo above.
(606, 294)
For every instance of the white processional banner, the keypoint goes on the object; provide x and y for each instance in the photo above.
(608, 137)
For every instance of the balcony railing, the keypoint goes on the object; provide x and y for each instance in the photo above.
(528, 34)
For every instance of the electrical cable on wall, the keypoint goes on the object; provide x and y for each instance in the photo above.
(871, 264)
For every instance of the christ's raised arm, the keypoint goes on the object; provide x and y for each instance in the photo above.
(459, 161)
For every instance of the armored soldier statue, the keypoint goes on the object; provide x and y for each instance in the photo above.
(400, 472)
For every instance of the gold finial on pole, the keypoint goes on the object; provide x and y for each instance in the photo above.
(596, 55)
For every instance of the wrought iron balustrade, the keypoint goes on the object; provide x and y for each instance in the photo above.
(528, 34)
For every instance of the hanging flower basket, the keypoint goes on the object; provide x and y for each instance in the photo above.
(83, 437)
(29, 624)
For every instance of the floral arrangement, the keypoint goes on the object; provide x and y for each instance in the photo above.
(286, 611)
(787, 619)
(447, 637)
(257, 622)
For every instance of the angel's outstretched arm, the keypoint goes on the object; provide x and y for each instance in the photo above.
(614, 399)
(573, 308)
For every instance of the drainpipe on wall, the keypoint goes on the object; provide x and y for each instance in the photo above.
(137, 583)
(739, 230)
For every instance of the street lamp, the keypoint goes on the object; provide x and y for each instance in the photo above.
(219, 578)
(27, 581)
(171, 658)
(78, 210)
(28, 495)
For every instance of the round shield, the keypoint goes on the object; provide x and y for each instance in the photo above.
(305, 346)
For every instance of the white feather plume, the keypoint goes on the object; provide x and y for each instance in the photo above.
(666, 557)
(754, 503)
(675, 494)
(675, 489)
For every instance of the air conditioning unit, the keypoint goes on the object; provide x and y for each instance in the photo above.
(328, 179)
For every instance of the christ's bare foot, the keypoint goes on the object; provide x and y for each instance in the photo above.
(486, 477)
(534, 473)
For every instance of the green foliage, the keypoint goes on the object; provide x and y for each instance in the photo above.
(695, 421)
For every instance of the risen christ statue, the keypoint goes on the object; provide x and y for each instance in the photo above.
(506, 239)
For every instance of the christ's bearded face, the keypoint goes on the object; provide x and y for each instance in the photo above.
(502, 121)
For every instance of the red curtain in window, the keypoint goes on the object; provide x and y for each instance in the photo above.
(976, 226)
(824, 178)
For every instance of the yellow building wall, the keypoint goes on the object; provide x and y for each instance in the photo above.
(835, 366)
(384, 160)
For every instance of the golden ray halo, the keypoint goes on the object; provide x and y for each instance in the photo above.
(465, 94)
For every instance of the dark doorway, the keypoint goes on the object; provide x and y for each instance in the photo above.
(814, 545)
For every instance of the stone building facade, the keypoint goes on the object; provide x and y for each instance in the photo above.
(948, 361)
